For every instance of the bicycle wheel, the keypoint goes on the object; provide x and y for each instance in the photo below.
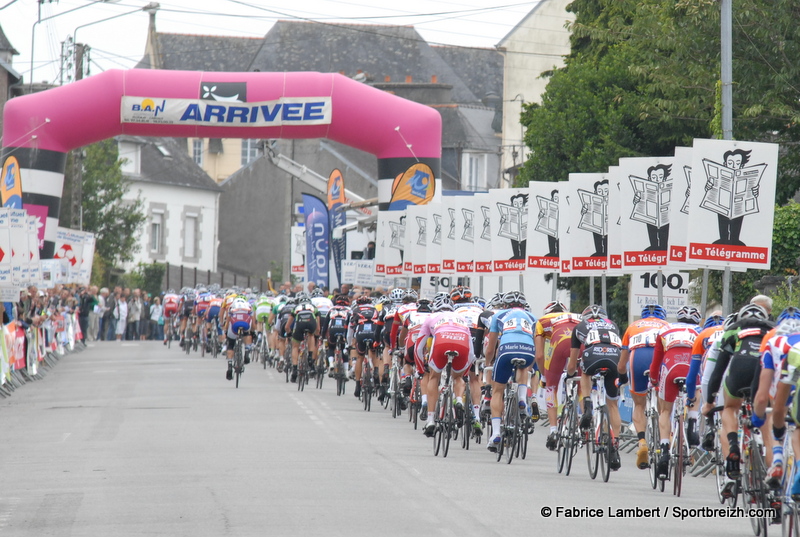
(237, 362)
(394, 389)
(203, 344)
(758, 473)
(437, 433)
(677, 458)
(652, 437)
(592, 449)
(605, 444)
(562, 442)
(187, 340)
(790, 519)
(320, 371)
(511, 426)
(573, 436)
(523, 440)
(448, 422)
(169, 336)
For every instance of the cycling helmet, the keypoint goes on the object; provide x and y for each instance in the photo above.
(689, 315)
(291, 301)
(410, 296)
(202, 290)
(364, 299)
(397, 294)
(788, 327)
(461, 294)
(384, 300)
(514, 298)
(442, 303)
(789, 313)
(302, 297)
(595, 311)
(730, 320)
(479, 300)
(342, 300)
(496, 301)
(713, 320)
(424, 305)
(654, 310)
(753, 311)
(555, 307)
(441, 294)
(317, 292)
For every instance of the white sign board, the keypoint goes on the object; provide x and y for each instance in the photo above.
(509, 224)
(298, 252)
(615, 236)
(5, 246)
(433, 248)
(483, 234)
(449, 241)
(732, 203)
(392, 242)
(542, 249)
(679, 210)
(644, 290)
(465, 234)
(564, 228)
(417, 237)
(588, 200)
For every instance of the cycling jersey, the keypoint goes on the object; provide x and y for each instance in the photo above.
(450, 332)
(640, 340)
(201, 305)
(671, 357)
(263, 309)
(601, 345)
(214, 306)
(366, 325)
(323, 304)
(702, 343)
(776, 357)
(305, 320)
(472, 314)
(413, 323)
(740, 347)
(514, 328)
(335, 324)
(556, 329)
(171, 304)
(240, 317)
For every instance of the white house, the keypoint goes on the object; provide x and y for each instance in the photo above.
(181, 203)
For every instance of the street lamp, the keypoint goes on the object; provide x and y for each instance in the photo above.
(40, 19)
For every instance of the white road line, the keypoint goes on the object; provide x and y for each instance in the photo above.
(64, 437)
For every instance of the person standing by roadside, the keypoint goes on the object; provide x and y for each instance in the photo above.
(109, 316)
(101, 310)
(85, 306)
(144, 319)
(121, 315)
(134, 315)
(156, 320)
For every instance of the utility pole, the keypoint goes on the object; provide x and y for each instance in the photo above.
(726, 76)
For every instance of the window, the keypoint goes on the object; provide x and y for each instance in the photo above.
(130, 154)
(250, 151)
(156, 227)
(197, 151)
(190, 236)
(474, 171)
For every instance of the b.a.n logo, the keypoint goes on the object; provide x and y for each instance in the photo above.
(148, 105)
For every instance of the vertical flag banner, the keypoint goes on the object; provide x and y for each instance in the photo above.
(449, 239)
(5, 247)
(317, 235)
(298, 254)
(509, 224)
(646, 187)
(543, 242)
(337, 198)
(732, 205)
(415, 186)
(11, 186)
(615, 235)
(465, 234)
(18, 227)
(483, 234)
(565, 232)
(433, 249)
(417, 235)
(679, 211)
(588, 194)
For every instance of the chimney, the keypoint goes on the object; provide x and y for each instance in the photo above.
(387, 78)
(433, 79)
(408, 79)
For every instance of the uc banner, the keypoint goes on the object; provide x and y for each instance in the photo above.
(415, 186)
(11, 185)
(337, 198)
(317, 234)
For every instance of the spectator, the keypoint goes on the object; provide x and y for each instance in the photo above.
(134, 315)
(101, 310)
(369, 251)
(111, 314)
(86, 305)
(121, 315)
(156, 320)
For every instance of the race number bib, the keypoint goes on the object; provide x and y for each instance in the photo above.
(682, 338)
(514, 325)
(595, 337)
(643, 339)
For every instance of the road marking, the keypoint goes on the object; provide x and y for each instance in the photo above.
(64, 438)
(129, 345)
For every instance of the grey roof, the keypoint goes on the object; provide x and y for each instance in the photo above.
(204, 52)
(378, 51)
(5, 44)
(468, 127)
(481, 69)
(176, 169)
(10, 70)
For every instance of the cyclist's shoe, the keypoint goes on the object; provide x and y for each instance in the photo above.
(643, 457)
(357, 391)
(423, 411)
(523, 411)
(246, 357)
(477, 427)
(330, 372)
(534, 411)
(459, 407)
(775, 475)
(280, 367)
(728, 489)
(165, 342)
(229, 372)
(708, 441)
(406, 385)
(294, 373)
(351, 374)
(402, 403)
(552, 442)
(182, 343)
(662, 469)
(429, 430)
(691, 433)
(613, 457)
(732, 462)
(796, 487)
(586, 420)
(494, 444)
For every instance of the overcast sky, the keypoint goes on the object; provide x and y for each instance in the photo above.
(120, 42)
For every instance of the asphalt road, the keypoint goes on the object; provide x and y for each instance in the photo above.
(133, 439)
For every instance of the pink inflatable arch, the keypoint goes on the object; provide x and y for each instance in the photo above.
(39, 129)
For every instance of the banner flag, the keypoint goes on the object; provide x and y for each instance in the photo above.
(317, 234)
(5, 247)
(336, 198)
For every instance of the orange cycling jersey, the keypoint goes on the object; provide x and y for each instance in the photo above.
(704, 340)
(642, 333)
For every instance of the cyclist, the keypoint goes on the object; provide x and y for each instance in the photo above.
(740, 345)
(412, 324)
(553, 340)
(671, 358)
(510, 336)
(448, 331)
(188, 297)
(774, 353)
(263, 308)
(200, 309)
(212, 314)
(334, 324)
(598, 336)
(398, 337)
(240, 321)
(466, 306)
(712, 330)
(635, 360)
(284, 312)
(171, 304)
(303, 319)
(363, 333)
